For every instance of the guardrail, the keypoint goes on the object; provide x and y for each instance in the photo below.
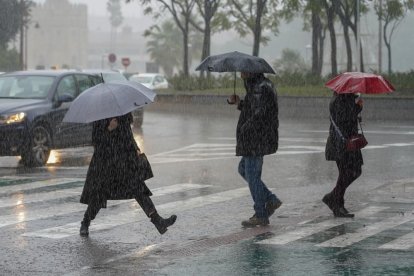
(312, 107)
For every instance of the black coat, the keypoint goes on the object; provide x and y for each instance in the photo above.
(257, 128)
(113, 171)
(344, 111)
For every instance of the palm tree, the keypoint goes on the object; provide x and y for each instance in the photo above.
(164, 46)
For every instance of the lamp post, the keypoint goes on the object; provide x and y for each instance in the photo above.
(358, 37)
(26, 42)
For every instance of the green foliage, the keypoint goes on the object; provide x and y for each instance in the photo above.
(9, 60)
(9, 20)
(291, 62)
(403, 82)
(287, 84)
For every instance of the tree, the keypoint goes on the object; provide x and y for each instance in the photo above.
(213, 21)
(315, 19)
(330, 15)
(254, 16)
(9, 59)
(115, 17)
(181, 11)
(290, 62)
(392, 12)
(165, 46)
(10, 21)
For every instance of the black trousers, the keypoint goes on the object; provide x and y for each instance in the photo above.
(143, 200)
(348, 173)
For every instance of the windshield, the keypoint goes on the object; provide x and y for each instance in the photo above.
(25, 87)
(108, 77)
(142, 79)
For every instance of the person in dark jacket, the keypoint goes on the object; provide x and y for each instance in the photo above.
(113, 173)
(257, 135)
(344, 111)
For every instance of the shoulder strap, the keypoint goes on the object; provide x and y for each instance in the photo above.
(337, 128)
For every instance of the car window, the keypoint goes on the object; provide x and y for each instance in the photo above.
(25, 87)
(67, 86)
(108, 77)
(85, 82)
(158, 79)
(141, 79)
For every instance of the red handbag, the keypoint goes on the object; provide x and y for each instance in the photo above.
(355, 142)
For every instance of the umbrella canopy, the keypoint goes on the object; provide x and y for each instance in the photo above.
(358, 82)
(235, 62)
(107, 100)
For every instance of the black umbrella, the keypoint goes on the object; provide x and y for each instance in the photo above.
(235, 62)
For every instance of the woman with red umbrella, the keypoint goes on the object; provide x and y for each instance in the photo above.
(344, 109)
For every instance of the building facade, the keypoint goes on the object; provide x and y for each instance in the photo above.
(57, 36)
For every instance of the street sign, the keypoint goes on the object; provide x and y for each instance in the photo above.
(112, 58)
(126, 62)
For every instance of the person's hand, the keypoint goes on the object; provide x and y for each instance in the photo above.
(233, 99)
(360, 102)
(113, 124)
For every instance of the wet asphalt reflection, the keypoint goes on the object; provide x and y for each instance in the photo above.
(191, 149)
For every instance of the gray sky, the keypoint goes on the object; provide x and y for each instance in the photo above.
(98, 7)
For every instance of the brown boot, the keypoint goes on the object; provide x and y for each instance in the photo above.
(255, 221)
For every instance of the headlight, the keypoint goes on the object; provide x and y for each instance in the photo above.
(12, 118)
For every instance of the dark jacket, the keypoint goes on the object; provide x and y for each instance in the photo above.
(257, 128)
(344, 111)
(113, 171)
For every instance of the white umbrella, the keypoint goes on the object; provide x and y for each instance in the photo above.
(107, 100)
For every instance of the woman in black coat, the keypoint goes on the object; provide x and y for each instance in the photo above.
(344, 113)
(113, 173)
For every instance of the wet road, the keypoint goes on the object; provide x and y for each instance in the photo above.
(191, 148)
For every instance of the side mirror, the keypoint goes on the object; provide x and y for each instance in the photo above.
(65, 98)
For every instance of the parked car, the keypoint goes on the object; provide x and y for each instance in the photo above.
(150, 80)
(108, 76)
(32, 107)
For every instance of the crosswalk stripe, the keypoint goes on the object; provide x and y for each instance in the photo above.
(402, 243)
(38, 184)
(21, 215)
(367, 231)
(309, 230)
(130, 216)
(19, 199)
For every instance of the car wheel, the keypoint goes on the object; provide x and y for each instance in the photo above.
(39, 148)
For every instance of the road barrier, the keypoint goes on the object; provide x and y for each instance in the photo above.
(379, 108)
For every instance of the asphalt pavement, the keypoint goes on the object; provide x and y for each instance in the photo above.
(191, 149)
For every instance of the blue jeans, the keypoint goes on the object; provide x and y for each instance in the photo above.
(250, 168)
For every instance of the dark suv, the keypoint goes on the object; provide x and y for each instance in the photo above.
(32, 106)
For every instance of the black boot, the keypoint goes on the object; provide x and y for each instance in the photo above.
(328, 200)
(161, 224)
(84, 229)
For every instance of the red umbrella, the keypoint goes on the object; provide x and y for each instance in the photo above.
(357, 82)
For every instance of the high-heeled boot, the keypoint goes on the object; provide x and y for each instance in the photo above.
(84, 229)
(162, 224)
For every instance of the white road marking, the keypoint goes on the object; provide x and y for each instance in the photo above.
(310, 229)
(21, 215)
(368, 231)
(130, 216)
(402, 243)
(38, 184)
(18, 199)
